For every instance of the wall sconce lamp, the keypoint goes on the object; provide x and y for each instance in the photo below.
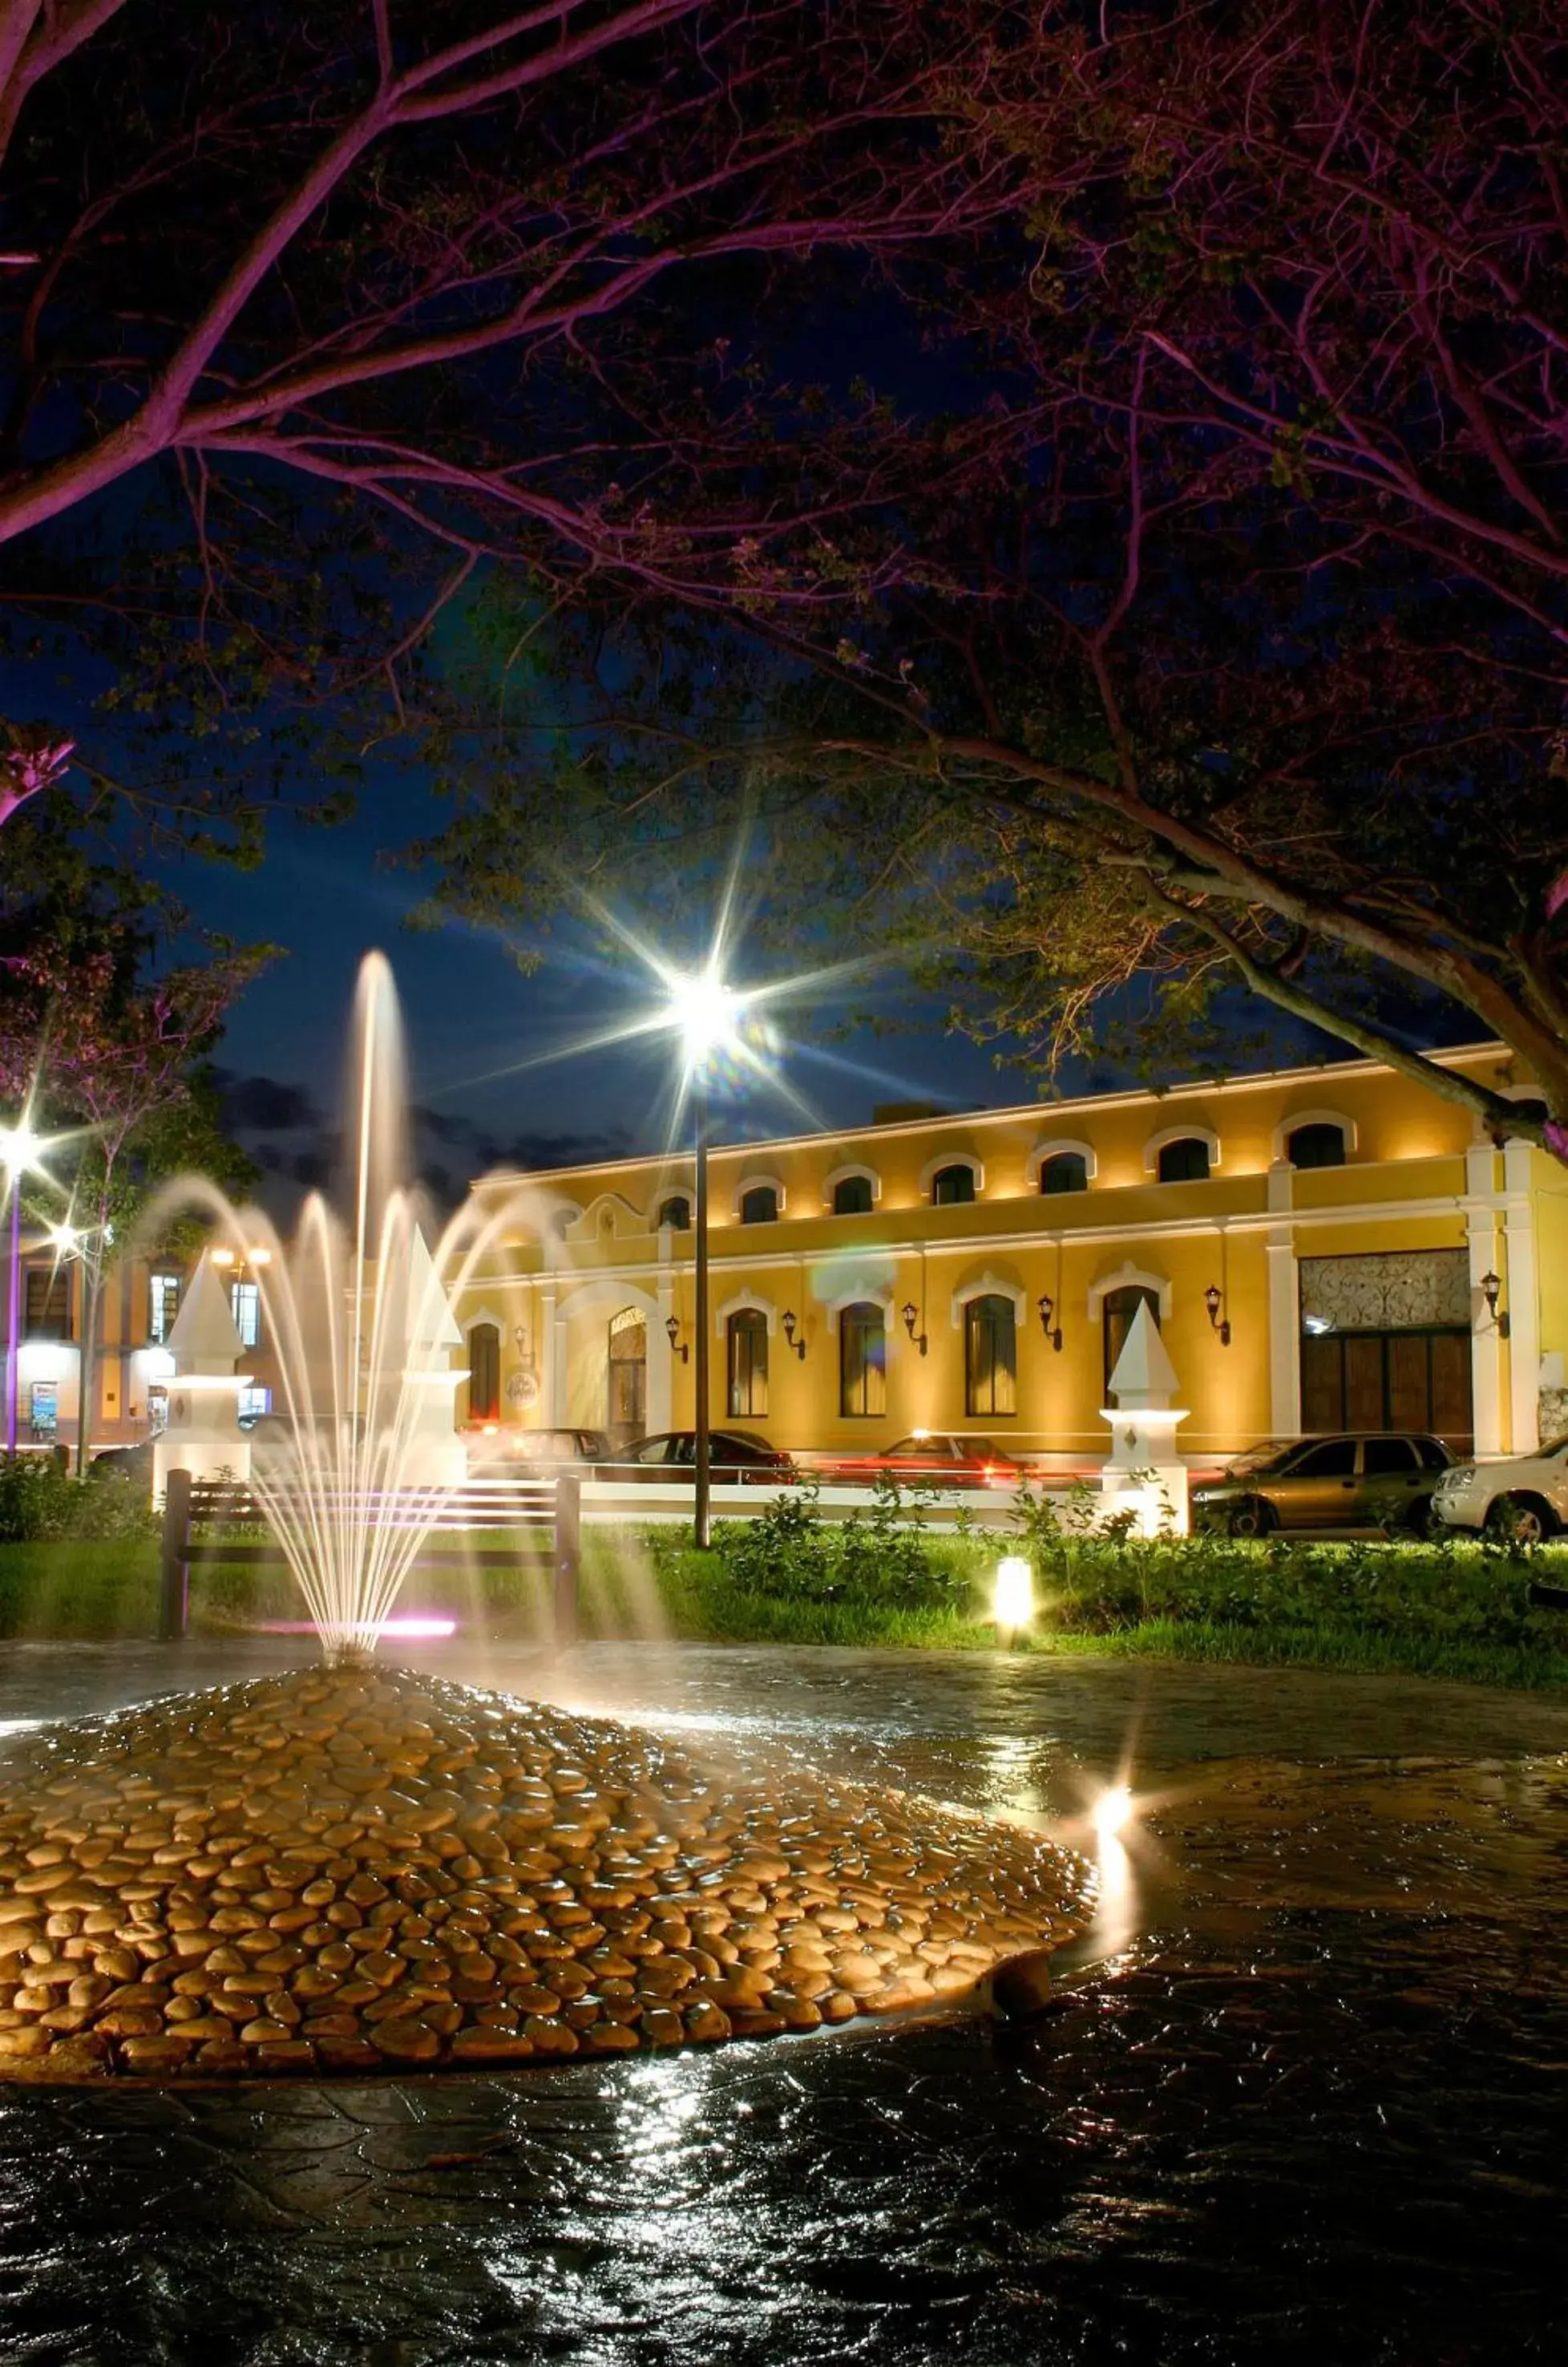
(1214, 1299)
(788, 1326)
(1492, 1291)
(911, 1317)
(676, 1347)
(1047, 1306)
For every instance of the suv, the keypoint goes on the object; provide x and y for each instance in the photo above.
(1375, 1479)
(1520, 1496)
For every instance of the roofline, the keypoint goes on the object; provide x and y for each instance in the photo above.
(675, 1161)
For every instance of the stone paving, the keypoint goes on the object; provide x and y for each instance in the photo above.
(355, 1868)
(1302, 2101)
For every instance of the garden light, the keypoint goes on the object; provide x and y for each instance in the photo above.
(1012, 1596)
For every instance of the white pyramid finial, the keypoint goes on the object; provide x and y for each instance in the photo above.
(203, 1339)
(429, 1319)
(1144, 1376)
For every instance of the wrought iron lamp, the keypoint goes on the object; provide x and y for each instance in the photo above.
(911, 1315)
(1047, 1306)
(677, 1347)
(1492, 1291)
(1214, 1299)
(787, 1320)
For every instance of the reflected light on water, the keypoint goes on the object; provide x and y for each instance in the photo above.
(1113, 1812)
(1115, 1921)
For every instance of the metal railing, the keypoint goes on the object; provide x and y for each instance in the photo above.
(197, 1511)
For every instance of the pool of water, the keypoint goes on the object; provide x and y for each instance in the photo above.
(1302, 2094)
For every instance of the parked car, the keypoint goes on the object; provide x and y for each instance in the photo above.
(533, 1453)
(1522, 1496)
(130, 1463)
(1370, 1480)
(734, 1456)
(929, 1458)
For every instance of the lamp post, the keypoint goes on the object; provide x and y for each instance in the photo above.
(703, 1010)
(19, 1147)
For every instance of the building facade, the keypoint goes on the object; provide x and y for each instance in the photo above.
(1321, 1248)
(137, 1310)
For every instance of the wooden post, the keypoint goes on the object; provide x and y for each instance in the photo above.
(568, 1557)
(174, 1601)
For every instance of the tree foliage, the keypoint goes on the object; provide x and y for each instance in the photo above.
(321, 307)
(1216, 636)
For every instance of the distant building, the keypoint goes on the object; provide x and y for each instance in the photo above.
(1348, 1219)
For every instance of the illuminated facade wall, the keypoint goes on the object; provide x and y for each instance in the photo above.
(957, 1212)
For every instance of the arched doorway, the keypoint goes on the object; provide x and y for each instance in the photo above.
(627, 1373)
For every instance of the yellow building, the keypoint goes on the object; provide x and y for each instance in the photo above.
(977, 1273)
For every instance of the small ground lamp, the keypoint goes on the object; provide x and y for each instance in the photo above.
(1012, 1597)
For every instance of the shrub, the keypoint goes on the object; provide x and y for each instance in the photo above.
(40, 1501)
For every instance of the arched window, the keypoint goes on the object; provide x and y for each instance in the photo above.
(1185, 1161)
(1120, 1307)
(1320, 1145)
(990, 1355)
(484, 1373)
(951, 1186)
(676, 1213)
(1065, 1171)
(627, 1365)
(851, 1196)
(862, 1360)
(759, 1206)
(747, 1335)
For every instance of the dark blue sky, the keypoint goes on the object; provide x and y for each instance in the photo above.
(480, 1033)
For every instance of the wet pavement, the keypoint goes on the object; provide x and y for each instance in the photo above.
(1304, 2095)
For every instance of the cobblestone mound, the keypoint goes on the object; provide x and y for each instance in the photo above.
(358, 1870)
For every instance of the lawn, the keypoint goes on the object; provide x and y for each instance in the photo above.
(1454, 1611)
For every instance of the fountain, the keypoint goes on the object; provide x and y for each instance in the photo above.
(358, 1868)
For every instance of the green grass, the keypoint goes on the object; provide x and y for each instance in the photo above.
(1457, 1611)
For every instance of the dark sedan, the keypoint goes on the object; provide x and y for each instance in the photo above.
(734, 1456)
(1382, 1479)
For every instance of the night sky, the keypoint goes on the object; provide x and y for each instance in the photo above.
(495, 1071)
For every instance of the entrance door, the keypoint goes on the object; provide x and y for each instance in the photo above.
(628, 1374)
(1388, 1380)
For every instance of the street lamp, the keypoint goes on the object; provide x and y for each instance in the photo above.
(702, 1011)
(19, 1147)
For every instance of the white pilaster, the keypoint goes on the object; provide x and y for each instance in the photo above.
(1481, 1233)
(1284, 1335)
(1522, 1301)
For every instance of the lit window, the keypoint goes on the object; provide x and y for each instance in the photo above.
(254, 1401)
(851, 1196)
(759, 1206)
(951, 1186)
(162, 1304)
(245, 1297)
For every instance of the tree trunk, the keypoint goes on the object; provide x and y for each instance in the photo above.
(87, 1369)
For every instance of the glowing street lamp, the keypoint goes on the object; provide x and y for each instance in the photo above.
(704, 1013)
(19, 1148)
